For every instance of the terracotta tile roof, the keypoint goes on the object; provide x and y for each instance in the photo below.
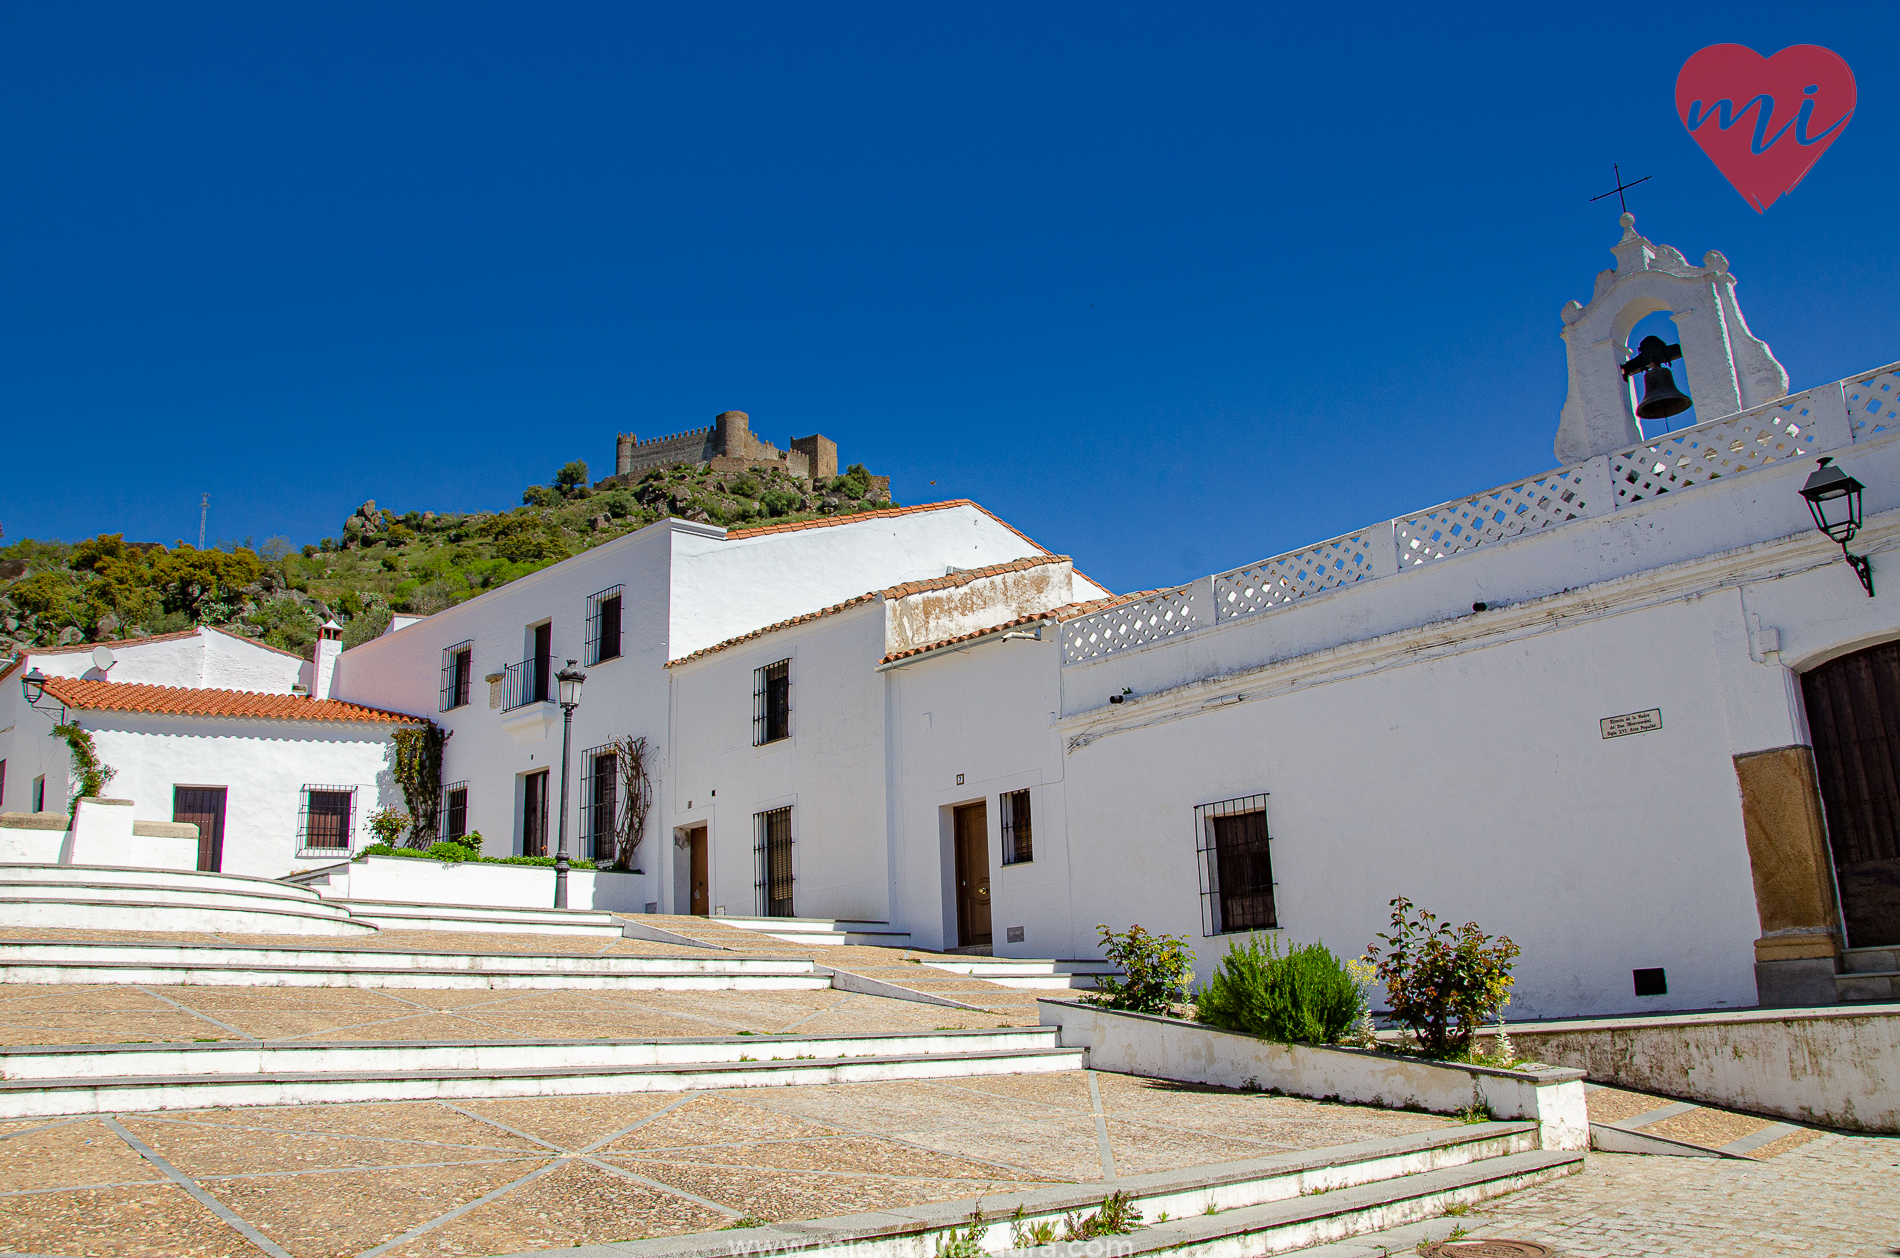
(833, 610)
(1068, 611)
(945, 582)
(953, 579)
(972, 636)
(881, 514)
(114, 696)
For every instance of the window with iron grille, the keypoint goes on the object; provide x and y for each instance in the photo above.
(600, 800)
(774, 848)
(326, 820)
(534, 813)
(603, 625)
(1018, 848)
(1236, 867)
(771, 703)
(455, 810)
(458, 669)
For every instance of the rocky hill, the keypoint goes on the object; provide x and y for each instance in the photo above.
(382, 561)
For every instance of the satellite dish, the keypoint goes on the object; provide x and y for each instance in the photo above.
(102, 658)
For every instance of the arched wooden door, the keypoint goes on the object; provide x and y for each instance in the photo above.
(1854, 716)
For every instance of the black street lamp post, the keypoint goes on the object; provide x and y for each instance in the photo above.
(570, 688)
(1834, 502)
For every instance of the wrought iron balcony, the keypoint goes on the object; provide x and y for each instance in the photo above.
(525, 683)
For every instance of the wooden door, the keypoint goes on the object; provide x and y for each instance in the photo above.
(534, 815)
(973, 875)
(702, 893)
(203, 806)
(1854, 717)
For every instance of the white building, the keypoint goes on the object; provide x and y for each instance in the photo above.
(1633, 712)
(483, 670)
(211, 728)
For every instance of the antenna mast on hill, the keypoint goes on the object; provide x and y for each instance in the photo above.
(204, 509)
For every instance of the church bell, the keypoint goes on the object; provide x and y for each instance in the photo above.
(1661, 397)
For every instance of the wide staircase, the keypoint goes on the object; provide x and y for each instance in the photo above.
(41, 1080)
(100, 897)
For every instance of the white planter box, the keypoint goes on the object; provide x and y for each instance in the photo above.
(1167, 1048)
(418, 880)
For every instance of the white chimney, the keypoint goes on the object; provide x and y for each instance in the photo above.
(322, 669)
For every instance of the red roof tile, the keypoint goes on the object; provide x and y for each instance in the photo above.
(952, 579)
(974, 634)
(113, 696)
(833, 610)
(948, 581)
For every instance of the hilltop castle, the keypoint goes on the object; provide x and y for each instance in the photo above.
(729, 446)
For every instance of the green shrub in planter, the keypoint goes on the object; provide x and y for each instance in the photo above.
(1156, 971)
(1307, 996)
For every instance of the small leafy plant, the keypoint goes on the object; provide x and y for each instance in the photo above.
(92, 773)
(1443, 983)
(964, 1242)
(1026, 1235)
(1156, 971)
(1117, 1216)
(1307, 996)
(388, 824)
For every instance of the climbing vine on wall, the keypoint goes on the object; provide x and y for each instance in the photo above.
(91, 773)
(419, 773)
(636, 798)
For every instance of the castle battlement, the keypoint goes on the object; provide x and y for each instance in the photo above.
(728, 444)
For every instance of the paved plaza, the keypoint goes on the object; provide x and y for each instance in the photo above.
(496, 1177)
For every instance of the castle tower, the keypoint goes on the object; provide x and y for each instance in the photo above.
(1729, 368)
(733, 433)
(623, 453)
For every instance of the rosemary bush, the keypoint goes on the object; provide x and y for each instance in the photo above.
(1307, 996)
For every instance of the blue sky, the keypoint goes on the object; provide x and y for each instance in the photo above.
(1172, 288)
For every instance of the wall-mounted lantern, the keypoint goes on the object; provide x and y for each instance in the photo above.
(33, 686)
(1834, 502)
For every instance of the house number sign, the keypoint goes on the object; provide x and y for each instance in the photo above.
(1631, 723)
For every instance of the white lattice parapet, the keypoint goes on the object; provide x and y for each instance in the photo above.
(1723, 447)
(1158, 616)
(1874, 403)
(1278, 581)
(1496, 514)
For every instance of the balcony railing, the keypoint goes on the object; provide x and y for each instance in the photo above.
(524, 683)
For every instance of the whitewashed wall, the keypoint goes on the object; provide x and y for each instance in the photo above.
(725, 588)
(830, 771)
(686, 587)
(263, 766)
(208, 658)
(987, 713)
(492, 750)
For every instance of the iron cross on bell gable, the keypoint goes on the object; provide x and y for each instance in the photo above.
(1620, 188)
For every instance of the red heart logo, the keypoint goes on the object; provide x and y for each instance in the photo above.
(1765, 121)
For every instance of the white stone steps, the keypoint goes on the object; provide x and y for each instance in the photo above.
(75, 911)
(820, 931)
(51, 874)
(92, 897)
(47, 1097)
(485, 919)
(208, 965)
(1264, 1205)
(229, 1059)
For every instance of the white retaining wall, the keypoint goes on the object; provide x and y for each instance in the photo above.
(1168, 1048)
(418, 880)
